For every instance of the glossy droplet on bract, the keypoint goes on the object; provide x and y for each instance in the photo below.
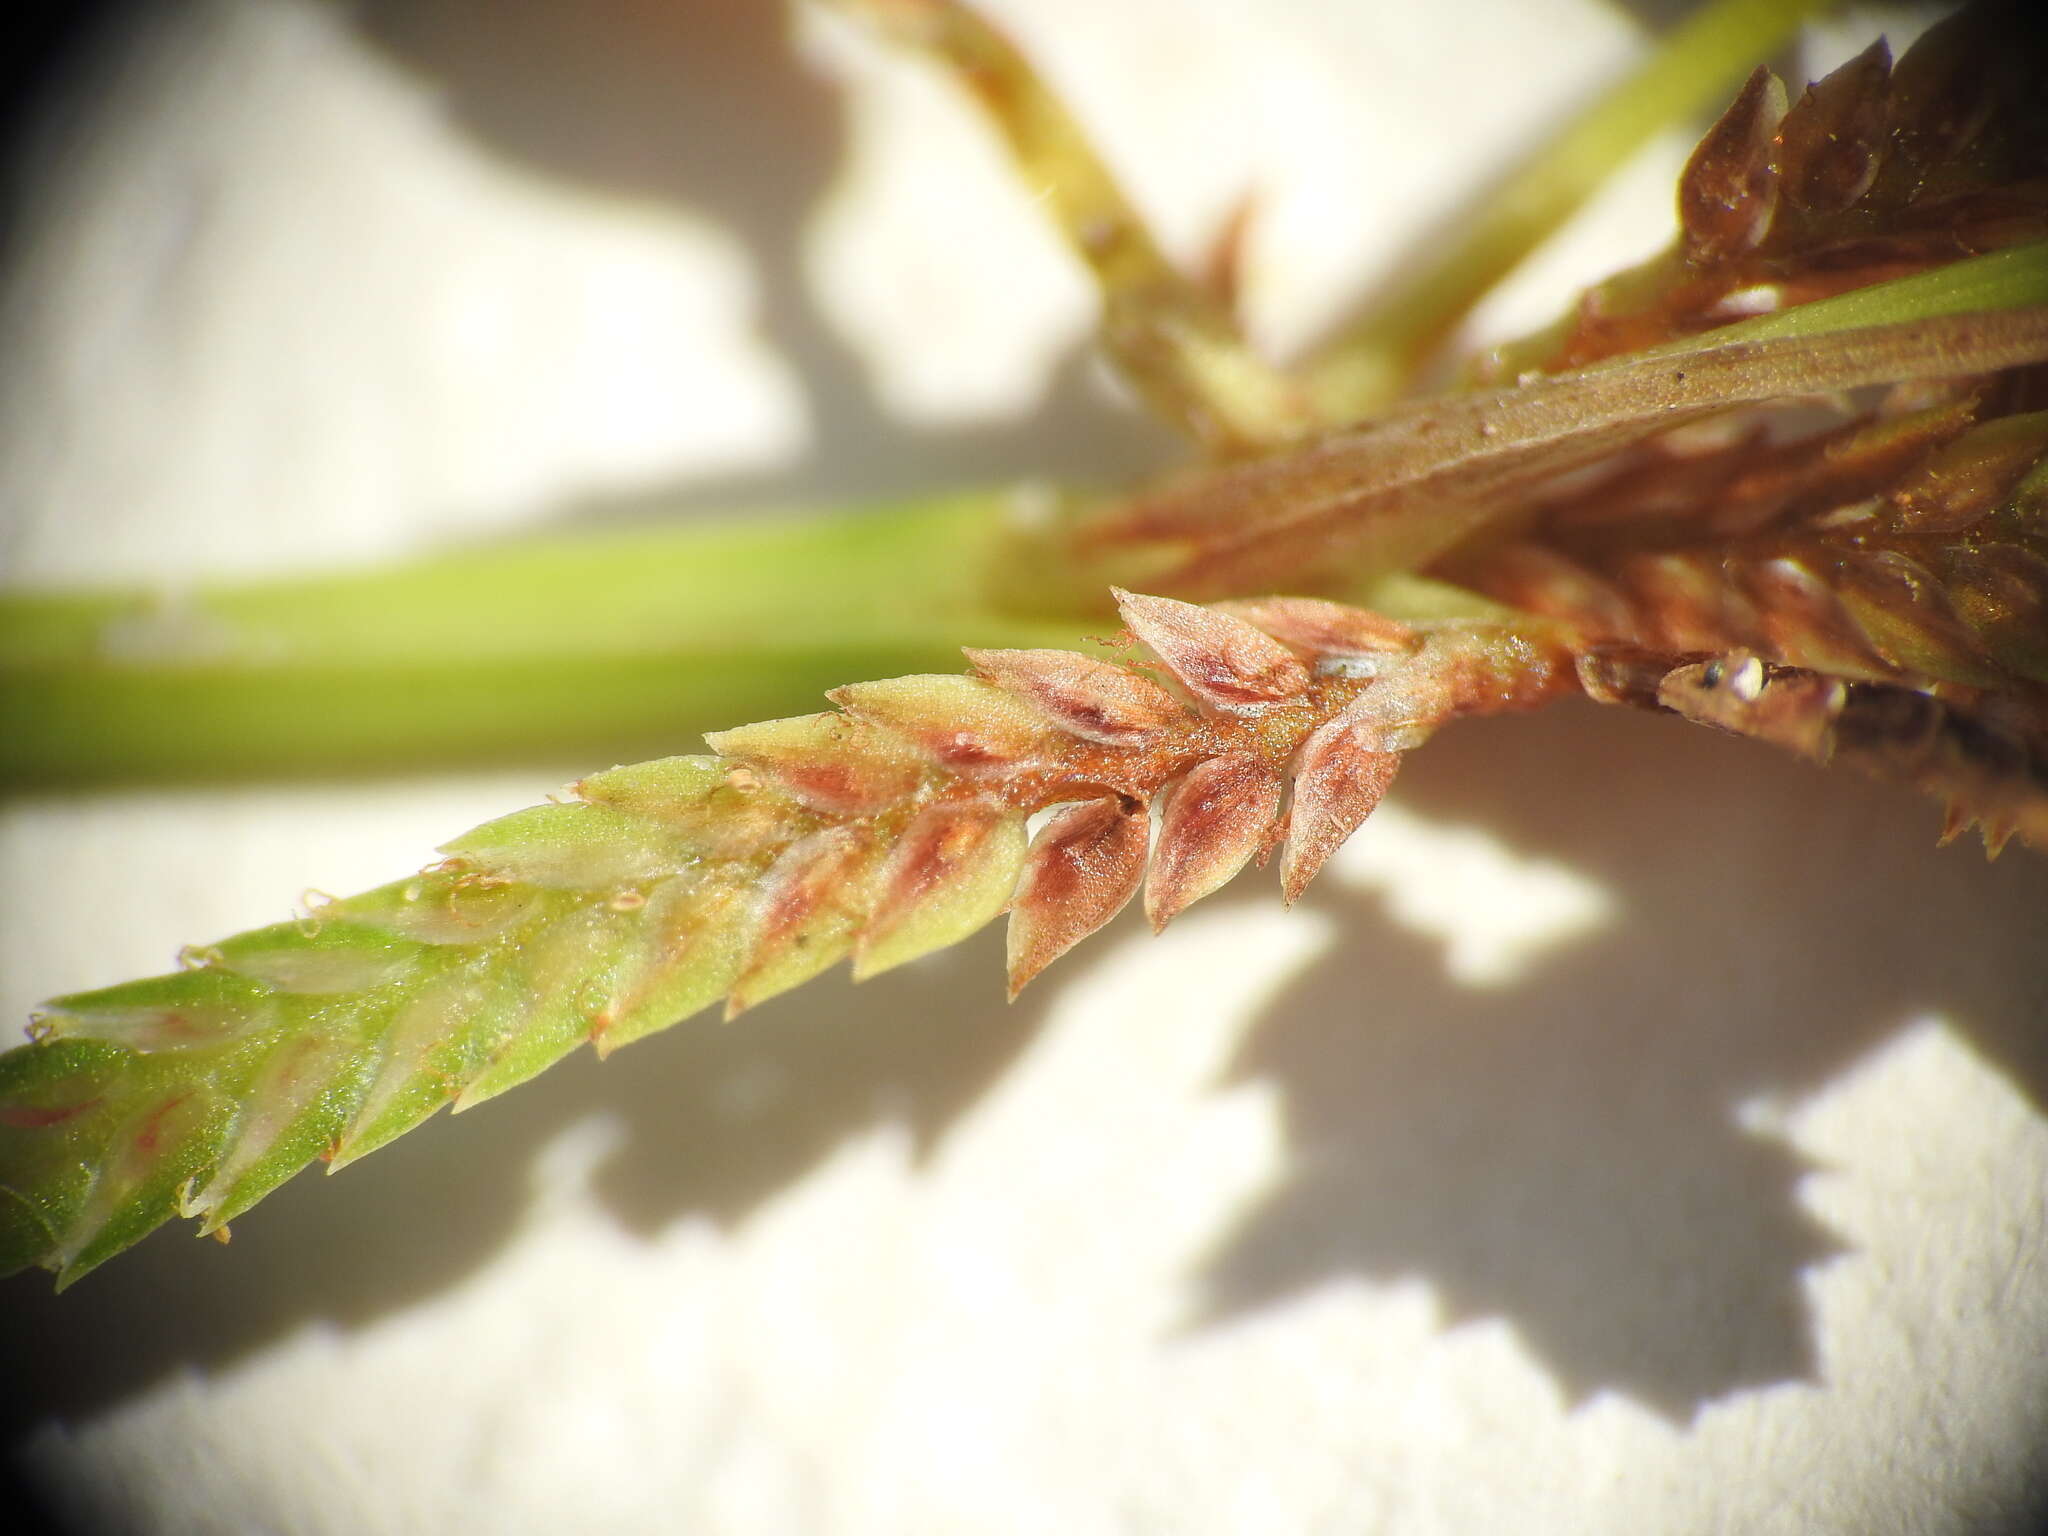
(1224, 662)
(1214, 820)
(443, 907)
(1085, 864)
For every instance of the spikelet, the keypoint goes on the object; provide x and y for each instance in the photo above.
(1875, 172)
(1873, 594)
(878, 832)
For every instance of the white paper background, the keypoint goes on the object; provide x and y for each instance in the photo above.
(1634, 1132)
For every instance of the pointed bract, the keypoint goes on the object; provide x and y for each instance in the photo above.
(687, 954)
(314, 1079)
(195, 1009)
(1084, 865)
(150, 1157)
(1224, 662)
(1094, 700)
(657, 789)
(952, 870)
(1910, 618)
(1960, 483)
(810, 905)
(961, 724)
(1215, 818)
(1322, 629)
(567, 972)
(1339, 777)
(1832, 141)
(1803, 622)
(831, 762)
(1729, 192)
(566, 847)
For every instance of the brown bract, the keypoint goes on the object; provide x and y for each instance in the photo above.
(1224, 662)
(1729, 190)
(1338, 781)
(1084, 697)
(1214, 819)
(805, 914)
(831, 762)
(1084, 866)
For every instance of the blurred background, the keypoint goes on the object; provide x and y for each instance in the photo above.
(1634, 1132)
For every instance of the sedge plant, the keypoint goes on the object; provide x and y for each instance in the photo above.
(1788, 479)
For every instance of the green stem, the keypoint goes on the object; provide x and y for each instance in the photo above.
(2013, 278)
(1374, 359)
(593, 648)
(613, 646)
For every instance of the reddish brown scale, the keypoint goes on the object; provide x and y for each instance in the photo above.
(1728, 193)
(1212, 822)
(1879, 175)
(942, 841)
(831, 762)
(1083, 868)
(1833, 138)
(958, 724)
(1339, 780)
(1075, 769)
(938, 839)
(1094, 700)
(1034, 726)
(1320, 629)
(1803, 622)
(811, 876)
(1225, 663)
(1680, 603)
(1971, 476)
(1543, 581)
(1907, 616)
